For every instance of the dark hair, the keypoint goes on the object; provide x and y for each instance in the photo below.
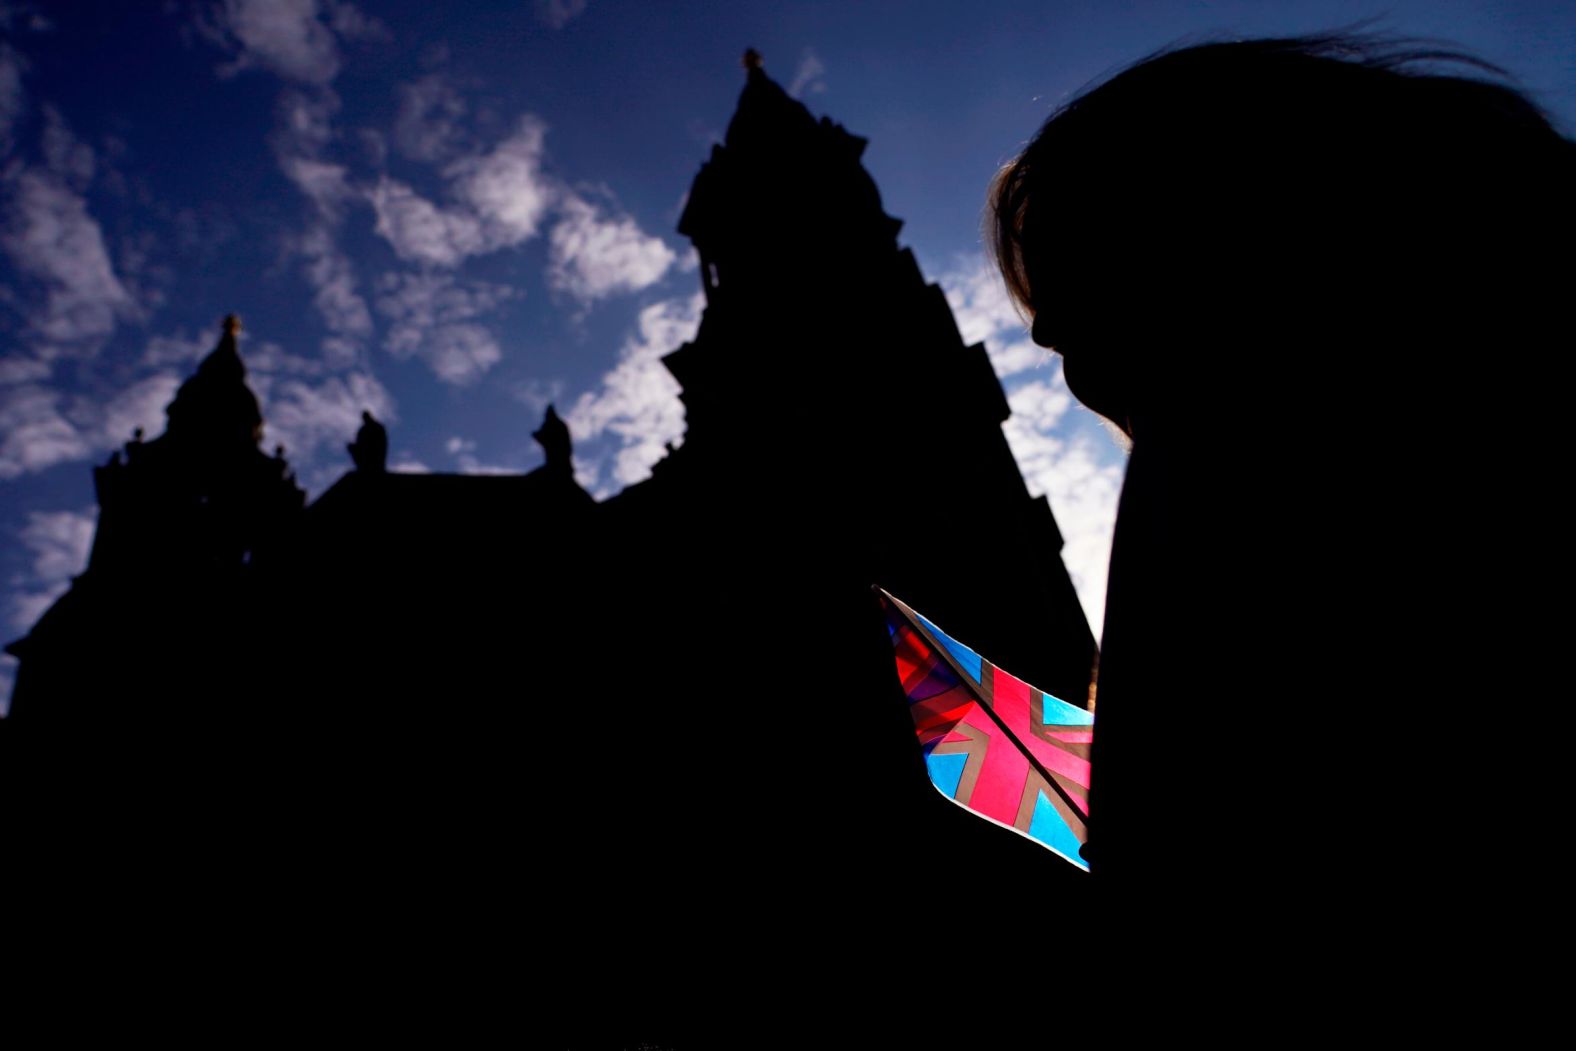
(1385, 137)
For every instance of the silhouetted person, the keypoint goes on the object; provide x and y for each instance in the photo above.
(1314, 281)
(370, 450)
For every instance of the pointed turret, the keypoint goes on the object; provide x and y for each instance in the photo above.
(830, 373)
(202, 494)
(781, 189)
(215, 408)
(170, 580)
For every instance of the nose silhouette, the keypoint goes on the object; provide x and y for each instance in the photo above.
(1040, 331)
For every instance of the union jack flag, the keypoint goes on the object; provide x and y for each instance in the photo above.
(994, 744)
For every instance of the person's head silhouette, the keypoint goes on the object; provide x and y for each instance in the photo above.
(1266, 198)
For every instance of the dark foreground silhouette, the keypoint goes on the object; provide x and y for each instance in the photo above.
(654, 747)
(1322, 286)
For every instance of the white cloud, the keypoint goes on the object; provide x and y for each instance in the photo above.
(464, 452)
(505, 187)
(58, 543)
(305, 122)
(306, 416)
(434, 317)
(420, 231)
(50, 236)
(593, 256)
(985, 314)
(313, 408)
(808, 79)
(500, 199)
(558, 13)
(270, 358)
(460, 354)
(326, 185)
(305, 131)
(428, 125)
(35, 433)
(1041, 404)
(638, 401)
(65, 154)
(20, 369)
(179, 349)
(1009, 359)
(536, 395)
(40, 427)
(1079, 477)
(142, 405)
(344, 312)
(351, 24)
(287, 37)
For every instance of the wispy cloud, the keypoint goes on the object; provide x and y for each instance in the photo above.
(637, 404)
(505, 186)
(325, 185)
(65, 289)
(312, 416)
(108, 423)
(1081, 479)
(499, 199)
(559, 13)
(50, 237)
(593, 255)
(809, 78)
(1080, 476)
(344, 312)
(428, 127)
(304, 132)
(420, 231)
(287, 37)
(35, 433)
(305, 122)
(41, 427)
(985, 314)
(434, 316)
(22, 368)
(352, 24)
(179, 349)
(64, 154)
(57, 543)
(463, 450)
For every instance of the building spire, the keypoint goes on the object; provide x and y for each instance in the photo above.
(215, 406)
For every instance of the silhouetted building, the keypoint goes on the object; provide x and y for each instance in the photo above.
(674, 712)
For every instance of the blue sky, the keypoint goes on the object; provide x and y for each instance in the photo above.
(452, 214)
